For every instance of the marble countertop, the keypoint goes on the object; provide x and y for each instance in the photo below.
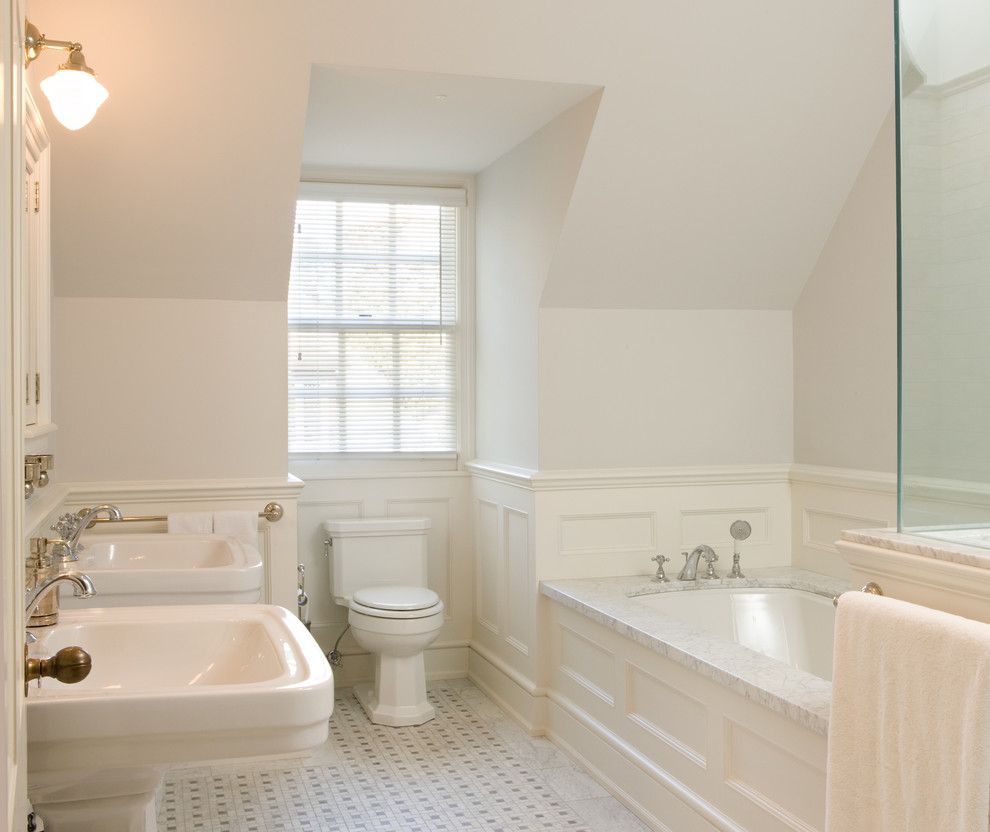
(612, 602)
(943, 548)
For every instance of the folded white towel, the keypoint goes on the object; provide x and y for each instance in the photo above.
(240, 525)
(190, 522)
(909, 732)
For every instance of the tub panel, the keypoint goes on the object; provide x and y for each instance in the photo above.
(673, 717)
(774, 779)
(588, 664)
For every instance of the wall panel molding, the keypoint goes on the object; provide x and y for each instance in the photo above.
(489, 578)
(600, 534)
(821, 527)
(518, 579)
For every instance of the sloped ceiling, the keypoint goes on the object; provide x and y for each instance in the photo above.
(726, 141)
(383, 119)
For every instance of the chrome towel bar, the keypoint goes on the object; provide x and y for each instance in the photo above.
(872, 588)
(272, 513)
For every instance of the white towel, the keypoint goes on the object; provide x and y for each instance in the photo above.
(190, 522)
(909, 732)
(240, 525)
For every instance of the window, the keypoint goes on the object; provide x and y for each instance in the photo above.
(373, 320)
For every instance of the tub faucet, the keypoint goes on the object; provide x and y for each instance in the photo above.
(690, 570)
(82, 588)
(71, 526)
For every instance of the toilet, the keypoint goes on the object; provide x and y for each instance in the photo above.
(378, 569)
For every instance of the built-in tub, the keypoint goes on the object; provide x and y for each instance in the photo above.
(718, 691)
(793, 626)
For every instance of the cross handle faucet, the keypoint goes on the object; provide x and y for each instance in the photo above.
(661, 576)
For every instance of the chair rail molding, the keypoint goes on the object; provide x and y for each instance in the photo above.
(573, 479)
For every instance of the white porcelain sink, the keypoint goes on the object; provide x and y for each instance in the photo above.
(168, 685)
(139, 569)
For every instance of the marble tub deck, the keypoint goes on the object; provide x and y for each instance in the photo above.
(613, 603)
(966, 546)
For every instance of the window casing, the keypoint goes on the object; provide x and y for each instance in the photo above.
(373, 321)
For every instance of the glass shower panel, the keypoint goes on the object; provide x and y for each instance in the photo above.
(944, 269)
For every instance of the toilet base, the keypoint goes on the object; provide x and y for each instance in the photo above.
(395, 716)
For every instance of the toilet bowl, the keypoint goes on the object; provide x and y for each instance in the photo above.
(396, 624)
(379, 572)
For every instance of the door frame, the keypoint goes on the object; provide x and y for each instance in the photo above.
(13, 795)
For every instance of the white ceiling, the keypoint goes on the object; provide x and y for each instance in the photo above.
(393, 120)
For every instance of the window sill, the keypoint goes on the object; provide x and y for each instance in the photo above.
(341, 466)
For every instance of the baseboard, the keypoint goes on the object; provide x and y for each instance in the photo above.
(613, 788)
(526, 704)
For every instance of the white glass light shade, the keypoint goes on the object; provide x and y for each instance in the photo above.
(75, 96)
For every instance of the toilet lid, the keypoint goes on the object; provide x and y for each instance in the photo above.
(396, 598)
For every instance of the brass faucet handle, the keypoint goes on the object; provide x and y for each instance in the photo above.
(68, 666)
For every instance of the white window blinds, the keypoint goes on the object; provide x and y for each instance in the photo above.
(373, 320)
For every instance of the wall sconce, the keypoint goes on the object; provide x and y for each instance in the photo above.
(73, 91)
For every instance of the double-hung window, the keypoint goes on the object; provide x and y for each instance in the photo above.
(373, 320)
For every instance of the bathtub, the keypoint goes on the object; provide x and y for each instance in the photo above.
(792, 626)
(706, 701)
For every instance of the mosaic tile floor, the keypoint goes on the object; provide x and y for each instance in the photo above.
(469, 769)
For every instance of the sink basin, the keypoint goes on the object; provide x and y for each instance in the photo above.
(138, 569)
(168, 685)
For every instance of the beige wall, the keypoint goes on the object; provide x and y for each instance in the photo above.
(845, 330)
(522, 201)
(152, 389)
(693, 193)
(642, 388)
(717, 161)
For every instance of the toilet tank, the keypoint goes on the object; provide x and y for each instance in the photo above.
(378, 551)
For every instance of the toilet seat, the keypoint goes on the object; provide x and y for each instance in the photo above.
(402, 602)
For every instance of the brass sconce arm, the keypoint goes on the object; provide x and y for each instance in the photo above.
(35, 41)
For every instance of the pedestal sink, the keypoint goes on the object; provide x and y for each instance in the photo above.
(168, 685)
(138, 569)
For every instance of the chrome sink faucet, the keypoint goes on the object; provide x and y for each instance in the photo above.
(71, 526)
(82, 588)
(690, 570)
(70, 664)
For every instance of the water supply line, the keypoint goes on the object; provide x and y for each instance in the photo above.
(335, 657)
(302, 599)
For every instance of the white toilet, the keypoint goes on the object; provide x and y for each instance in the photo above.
(378, 571)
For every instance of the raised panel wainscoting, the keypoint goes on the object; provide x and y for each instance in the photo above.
(681, 750)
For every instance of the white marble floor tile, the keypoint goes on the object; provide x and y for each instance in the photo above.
(607, 813)
(469, 769)
(572, 784)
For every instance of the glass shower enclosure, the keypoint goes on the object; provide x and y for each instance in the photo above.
(943, 100)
